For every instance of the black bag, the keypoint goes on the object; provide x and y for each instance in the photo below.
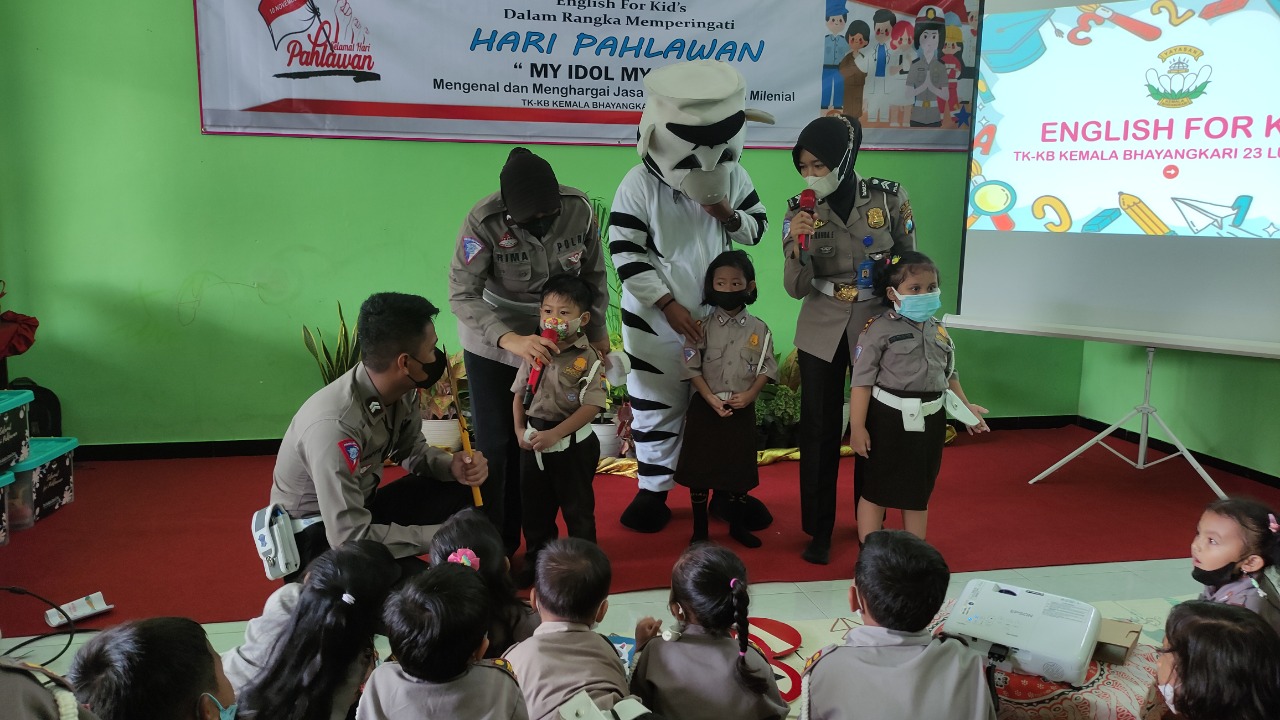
(46, 409)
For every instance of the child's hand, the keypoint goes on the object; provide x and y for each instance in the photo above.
(981, 427)
(740, 400)
(524, 444)
(717, 404)
(543, 439)
(860, 441)
(647, 629)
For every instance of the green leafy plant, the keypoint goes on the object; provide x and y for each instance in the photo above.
(342, 358)
(439, 402)
(613, 315)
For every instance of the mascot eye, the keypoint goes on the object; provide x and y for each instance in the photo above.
(690, 162)
(726, 156)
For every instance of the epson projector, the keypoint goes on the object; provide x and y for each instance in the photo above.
(1027, 631)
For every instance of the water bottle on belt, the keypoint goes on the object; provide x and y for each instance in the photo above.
(866, 267)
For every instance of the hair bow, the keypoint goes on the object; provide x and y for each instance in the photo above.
(465, 556)
(1271, 522)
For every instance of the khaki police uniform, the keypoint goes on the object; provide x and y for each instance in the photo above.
(729, 359)
(29, 692)
(330, 465)
(907, 361)
(831, 316)
(486, 691)
(563, 659)
(696, 678)
(495, 283)
(883, 673)
(564, 481)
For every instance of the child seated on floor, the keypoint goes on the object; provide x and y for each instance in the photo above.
(565, 655)
(437, 624)
(891, 667)
(470, 537)
(1218, 661)
(1237, 541)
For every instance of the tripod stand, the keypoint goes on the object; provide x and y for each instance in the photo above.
(1147, 412)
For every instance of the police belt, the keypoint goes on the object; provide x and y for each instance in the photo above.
(842, 291)
(914, 410)
(538, 424)
(524, 308)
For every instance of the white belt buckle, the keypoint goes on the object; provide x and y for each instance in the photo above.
(912, 414)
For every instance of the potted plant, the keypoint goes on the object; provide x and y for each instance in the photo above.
(440, 407)
(333, 363)
(606, 427)
(613, 426)
(777, 417)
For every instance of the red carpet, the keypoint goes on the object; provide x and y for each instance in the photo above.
(171, 537)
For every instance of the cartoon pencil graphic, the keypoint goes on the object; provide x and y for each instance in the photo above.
(1141, 214)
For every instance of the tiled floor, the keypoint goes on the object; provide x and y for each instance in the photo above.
(1128, 590)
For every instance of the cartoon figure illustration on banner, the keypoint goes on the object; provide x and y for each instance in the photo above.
(853, 68)
(951, 48)
(903, 55)
(928, 77)
(881, 70)
(834, 48)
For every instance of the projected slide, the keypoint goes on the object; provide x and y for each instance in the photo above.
(1129, 118)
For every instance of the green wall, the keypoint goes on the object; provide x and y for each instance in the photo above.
(171, 272)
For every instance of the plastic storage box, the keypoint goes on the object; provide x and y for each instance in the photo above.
(43, 482)
(6, 482)
(15, 426)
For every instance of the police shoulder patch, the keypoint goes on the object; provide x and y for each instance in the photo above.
(471, 247)
(869, 321)
(350, 453)
(888, 186)
(812, 659)
(689, 353)
(502, 665)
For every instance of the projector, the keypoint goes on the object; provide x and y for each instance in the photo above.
(1027, 631)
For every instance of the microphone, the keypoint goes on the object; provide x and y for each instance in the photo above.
(808, 203)
(535, 374)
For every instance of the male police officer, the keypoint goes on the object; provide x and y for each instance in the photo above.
(330, 461)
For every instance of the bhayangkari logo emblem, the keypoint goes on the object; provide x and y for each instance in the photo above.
(1179, 85)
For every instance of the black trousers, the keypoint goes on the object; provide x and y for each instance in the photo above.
(411, 500)
(821, 426)
(489, 382)
(564, 485)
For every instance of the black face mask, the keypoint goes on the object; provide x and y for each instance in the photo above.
(1216, 578)
(729, 300)
(539, 227)
(434, 370)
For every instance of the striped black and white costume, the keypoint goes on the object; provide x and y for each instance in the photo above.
(663, 242)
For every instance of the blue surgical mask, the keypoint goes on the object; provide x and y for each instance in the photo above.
(224, 713)
(918, 307)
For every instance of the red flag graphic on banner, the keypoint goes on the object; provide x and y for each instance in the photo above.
(287, 17)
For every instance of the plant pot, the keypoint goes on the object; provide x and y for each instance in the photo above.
(607, 434)
(443, 434)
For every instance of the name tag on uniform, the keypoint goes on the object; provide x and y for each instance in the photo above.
(903, 336)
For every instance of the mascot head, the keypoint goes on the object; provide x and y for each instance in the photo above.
(694, 125)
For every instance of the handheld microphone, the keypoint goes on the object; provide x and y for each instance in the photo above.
(808, 203)
(535, 374)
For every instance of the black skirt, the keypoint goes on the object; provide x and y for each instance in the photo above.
(902, 466)
(718, 453)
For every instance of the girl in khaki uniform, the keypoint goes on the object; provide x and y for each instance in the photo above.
(903, 373)
(704, 673)
(727, 368)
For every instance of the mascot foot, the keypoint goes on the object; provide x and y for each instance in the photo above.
(647, 513)
(755, 516)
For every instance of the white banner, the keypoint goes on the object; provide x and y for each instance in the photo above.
(567, 71)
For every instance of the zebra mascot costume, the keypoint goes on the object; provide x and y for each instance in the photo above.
(672, 215)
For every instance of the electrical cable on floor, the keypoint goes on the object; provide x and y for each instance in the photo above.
(69, 631)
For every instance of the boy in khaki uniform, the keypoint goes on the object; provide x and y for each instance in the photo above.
(890, 666)
(560, 452)
(566, 656)
(437, 623)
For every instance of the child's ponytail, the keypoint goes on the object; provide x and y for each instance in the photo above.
(741, 602)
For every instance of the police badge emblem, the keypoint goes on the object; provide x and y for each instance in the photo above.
(875, 218)
(507, 242)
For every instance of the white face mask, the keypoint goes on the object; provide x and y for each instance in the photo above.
(1166, 690)
(827, 184)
